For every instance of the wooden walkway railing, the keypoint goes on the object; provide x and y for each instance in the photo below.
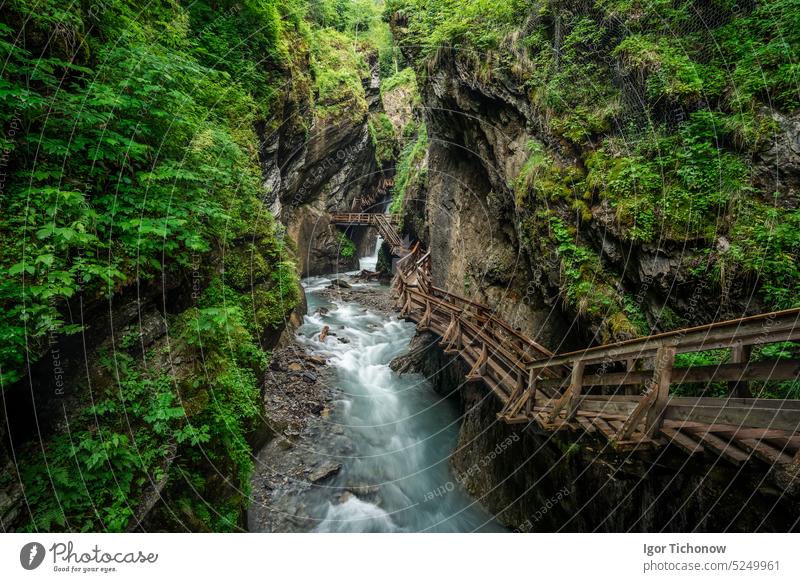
(620, 391)
(384, 223)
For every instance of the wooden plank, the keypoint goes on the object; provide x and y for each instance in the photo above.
(723, 448)
(586, 424)
(634, 444)
(722, 413)
(690, 446)
(765, 452)
(771, 403)
(764, 328)
(766, 370)
(567, 397)
(613, 406)
(604, 427)
(790, 444)
(637, 415)
(576, 381)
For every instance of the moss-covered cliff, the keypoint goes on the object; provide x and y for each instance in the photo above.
(157, 166)
(634, 164)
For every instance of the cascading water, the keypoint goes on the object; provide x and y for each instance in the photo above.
(391, 434)
(369, 263)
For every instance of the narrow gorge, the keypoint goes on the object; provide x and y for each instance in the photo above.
(193, 341)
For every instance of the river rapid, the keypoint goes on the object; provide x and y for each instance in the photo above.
(384, 447)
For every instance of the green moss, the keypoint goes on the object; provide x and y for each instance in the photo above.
(409, 172)
(585, 286)
(478, 24)
(403, 78)
(339, 69)
(676, 185)
(384, 140)
(541, 178)
(765, 243)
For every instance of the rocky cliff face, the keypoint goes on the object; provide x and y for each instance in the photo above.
(514, 219)
(317, 164)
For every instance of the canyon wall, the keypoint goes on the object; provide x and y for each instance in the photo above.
(535, 196)
(316, 163)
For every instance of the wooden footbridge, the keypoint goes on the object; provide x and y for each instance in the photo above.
(383, 222)
(620, 391)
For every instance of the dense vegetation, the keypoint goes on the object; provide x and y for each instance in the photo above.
(666, 104)
(651, 124)
(130, 159)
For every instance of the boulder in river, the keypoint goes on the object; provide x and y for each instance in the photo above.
(324, 472)
(340, 283)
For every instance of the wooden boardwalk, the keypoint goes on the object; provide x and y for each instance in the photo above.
(620, 391)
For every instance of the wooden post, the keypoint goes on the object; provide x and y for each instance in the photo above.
(533, 378)
(425, 323)
(571, 395)
(740, 354)
(406, 310)
(479, 369)
(662, 376)
(576, 386)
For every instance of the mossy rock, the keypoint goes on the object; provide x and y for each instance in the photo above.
(246, 267)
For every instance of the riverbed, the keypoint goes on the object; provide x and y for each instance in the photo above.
(377, 460)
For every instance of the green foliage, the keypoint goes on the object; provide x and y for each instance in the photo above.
(403, 78)
(409, 172)
(131, 155)
(477, 24)
(760, 49)
(384, 141)
(147, 157)
(88, 478)
(668, 70)
(634, 313)
(765, 244)
(347, 247)
(676, 185)
(243, 39)
(584, 283)
(542, 179)
(339, 69)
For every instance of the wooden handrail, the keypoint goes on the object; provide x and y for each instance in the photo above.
(535, 385)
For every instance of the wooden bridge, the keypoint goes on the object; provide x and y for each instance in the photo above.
(621, 391)
(384, 223)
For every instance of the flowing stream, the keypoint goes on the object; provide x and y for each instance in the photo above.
(392, 435)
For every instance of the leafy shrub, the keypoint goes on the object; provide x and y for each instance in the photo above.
(408, 169)
(384, 141)
(347, 248)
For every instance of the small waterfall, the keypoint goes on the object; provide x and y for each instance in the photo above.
(370, 263)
